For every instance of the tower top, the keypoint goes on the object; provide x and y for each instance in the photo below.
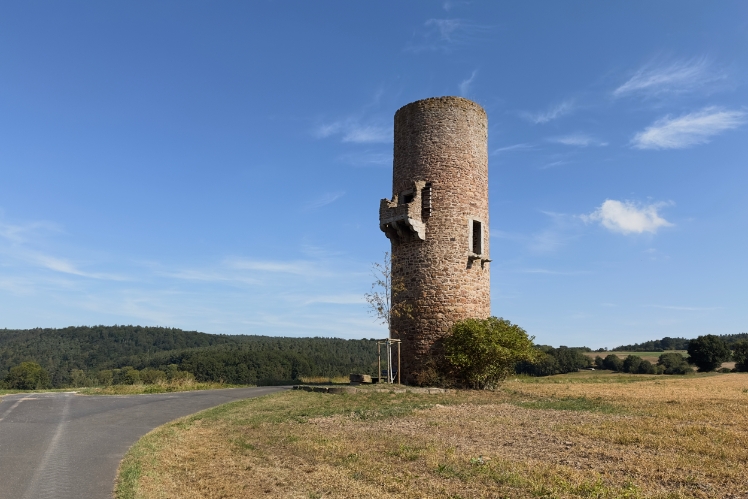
(441, 102)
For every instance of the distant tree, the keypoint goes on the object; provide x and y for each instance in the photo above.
(674, 363)
(599, 362)
(27, 376)
(740, 356)
(544, 364)
(645, 367)
(613, 362)
(483, 352)
(708, 352)
(631, 364)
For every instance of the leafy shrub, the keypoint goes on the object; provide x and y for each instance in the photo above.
(483, 352)
(27, 376)
(740, 356)
(724, 370)
(79, 378)
(708, 352)
(105, 377)
(151, 376)
(599, 362)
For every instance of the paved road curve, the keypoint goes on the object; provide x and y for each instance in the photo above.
(63, 445)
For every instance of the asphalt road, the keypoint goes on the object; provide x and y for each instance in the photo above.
(63, 445)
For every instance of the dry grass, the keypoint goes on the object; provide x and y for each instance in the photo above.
(584, 435)
(162, 386)
(321, 380)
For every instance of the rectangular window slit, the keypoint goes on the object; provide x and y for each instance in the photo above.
(477, 237)
(426, 201)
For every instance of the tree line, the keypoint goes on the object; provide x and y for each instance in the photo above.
(76, 355)
(668, 343)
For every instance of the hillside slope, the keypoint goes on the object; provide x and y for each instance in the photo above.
(233, 359)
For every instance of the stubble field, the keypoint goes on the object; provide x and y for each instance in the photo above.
(597, 435)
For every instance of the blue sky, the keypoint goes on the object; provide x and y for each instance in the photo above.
(218, 166)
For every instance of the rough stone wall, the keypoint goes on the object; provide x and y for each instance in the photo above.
(441, 141)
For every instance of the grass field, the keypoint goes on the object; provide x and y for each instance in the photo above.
(591, 434)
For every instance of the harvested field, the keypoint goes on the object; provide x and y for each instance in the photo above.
(583, 435)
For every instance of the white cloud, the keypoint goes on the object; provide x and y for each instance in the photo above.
(676, 77)
(351, 130)
(579, 140)
(688, 130)
(551, 114)
(628, 217)
(443, 34)
(324, 200)
(466, 83)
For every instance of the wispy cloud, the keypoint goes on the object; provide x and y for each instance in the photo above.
(513, 148)
(550, 114)
(689, 129)
(367, 158)
(578, 140)
(444, 34)
(674, 77)
(352, 130)
(553, 272)
(20, 233)
(466, 83)
(298, 267)
(627, 217)
(324, 200)
(686, 309)
(66, 267)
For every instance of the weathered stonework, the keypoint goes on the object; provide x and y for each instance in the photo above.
(437, 222)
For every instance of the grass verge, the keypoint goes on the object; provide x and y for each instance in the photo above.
(662, 437)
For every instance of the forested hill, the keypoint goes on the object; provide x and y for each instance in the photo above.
(668, 343)
(234, 359)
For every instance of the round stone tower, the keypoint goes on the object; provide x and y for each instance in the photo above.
(437, 222)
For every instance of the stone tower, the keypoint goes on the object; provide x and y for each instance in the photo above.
(437, 222)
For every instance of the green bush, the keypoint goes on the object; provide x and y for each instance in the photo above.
(740, 356)
(151, 376)
(105, 377)
(79, 378)
(708, 352)
(483, 352)
(27, 376)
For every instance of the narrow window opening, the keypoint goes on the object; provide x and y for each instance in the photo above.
(426, 201)
(477, 237)
(408, 197)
